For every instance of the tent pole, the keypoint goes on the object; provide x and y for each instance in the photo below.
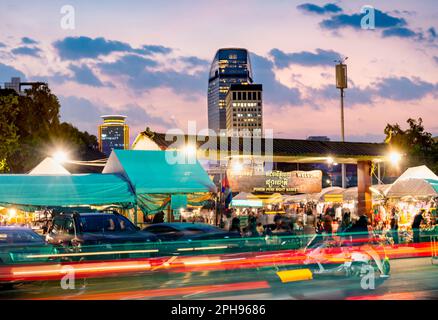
(135, 214)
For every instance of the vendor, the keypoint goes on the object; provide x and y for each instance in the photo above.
(418, 219)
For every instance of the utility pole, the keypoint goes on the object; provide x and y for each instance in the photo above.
(341, 84)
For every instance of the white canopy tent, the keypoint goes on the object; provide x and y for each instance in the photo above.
(413, 182)
(377, 190)
(412, 188)
(246, 199)
(328, 191)
(314, 196)
(49, 166)
(420, 172)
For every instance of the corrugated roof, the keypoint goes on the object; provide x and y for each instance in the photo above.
(283, 147)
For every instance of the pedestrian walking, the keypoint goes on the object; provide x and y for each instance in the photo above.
(310, 224)
(359, 230)
(235, 225)
(158, 217)
(418, 219)
(394, 225)
(345, 223)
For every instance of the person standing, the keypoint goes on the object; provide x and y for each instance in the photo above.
(158, 217)
(346, 223)
(260, 229)
(394, 225)
(418, 219)
(310, 224)
(251, 230)
(359, 230)
(235, 225)
(328, 228)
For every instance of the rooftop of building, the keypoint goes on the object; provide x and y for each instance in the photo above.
(287, 150)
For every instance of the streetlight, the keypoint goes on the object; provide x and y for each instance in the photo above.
(395, 158)
(237, 167)
(189, 150)
(12, 213)
(342, 83)
(60, 156)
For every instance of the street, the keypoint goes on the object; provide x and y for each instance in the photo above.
(413, 278)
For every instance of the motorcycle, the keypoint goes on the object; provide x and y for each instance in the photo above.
(346, 256)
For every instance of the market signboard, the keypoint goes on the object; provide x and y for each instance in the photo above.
(277, 181)
(333, 198)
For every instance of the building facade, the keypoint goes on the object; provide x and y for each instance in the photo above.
(19, 87)
(113, 134)
(229, 66)
(244, 110)
(318, 138)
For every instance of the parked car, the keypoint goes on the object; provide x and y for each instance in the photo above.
(97, 228)
(181, 231)
(19, 245)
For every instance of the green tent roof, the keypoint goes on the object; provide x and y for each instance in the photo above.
(433, 183)
(152, 172)
(64, 190)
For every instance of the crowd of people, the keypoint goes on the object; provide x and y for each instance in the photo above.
(305, 220)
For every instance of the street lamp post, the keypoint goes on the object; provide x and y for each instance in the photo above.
(341, 84)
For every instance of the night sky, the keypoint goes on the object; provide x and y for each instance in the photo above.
(149, 60)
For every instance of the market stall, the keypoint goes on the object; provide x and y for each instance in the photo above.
(49, 166)
(414, 190)
(21, 195)
(161, 182)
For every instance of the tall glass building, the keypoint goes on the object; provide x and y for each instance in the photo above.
(113, 134)
(229, 66)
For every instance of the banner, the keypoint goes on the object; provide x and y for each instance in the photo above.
(277, 181)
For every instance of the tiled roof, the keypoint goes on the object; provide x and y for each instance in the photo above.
(286, 147)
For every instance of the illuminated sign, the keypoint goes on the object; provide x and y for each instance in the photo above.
(247, 203)
(277, 181)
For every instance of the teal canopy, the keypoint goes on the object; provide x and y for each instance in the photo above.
(152, 172)
(433, 183)
(65, 190)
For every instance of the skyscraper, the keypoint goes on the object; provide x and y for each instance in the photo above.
(244, 110)
(229, 66)
(113, 134)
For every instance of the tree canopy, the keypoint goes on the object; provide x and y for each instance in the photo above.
(418, 145)
(30, 130)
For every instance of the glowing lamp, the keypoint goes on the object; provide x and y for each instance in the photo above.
(395, 158)
(60, 156)
(190, 150)
(237, 167)
(12, 213)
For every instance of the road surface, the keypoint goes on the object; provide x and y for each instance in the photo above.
(413, 278)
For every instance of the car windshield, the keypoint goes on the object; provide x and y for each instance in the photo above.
(19, 236)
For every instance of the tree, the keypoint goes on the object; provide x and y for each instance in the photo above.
(31, 130)
(8, 129)
(418, 145)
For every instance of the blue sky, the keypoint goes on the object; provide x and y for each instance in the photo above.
(150, 60)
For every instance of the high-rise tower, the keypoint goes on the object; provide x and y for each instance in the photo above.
(229, 66)
(113, 134)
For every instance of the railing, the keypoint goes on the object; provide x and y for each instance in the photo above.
(183, 248)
